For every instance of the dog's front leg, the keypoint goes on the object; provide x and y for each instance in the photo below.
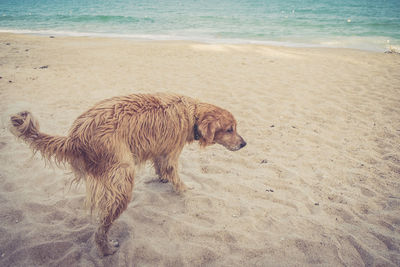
(167, 169)
(158, 166)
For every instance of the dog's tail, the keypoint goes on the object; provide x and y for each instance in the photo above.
(26, 127)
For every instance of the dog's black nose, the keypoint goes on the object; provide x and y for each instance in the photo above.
(243, 144)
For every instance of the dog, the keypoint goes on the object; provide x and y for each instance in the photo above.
(106, 142)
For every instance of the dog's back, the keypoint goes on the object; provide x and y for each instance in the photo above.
(149, 125)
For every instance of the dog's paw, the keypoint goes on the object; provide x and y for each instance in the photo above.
(114, 243)
(163, 180)
(110, 248)
(105, 247)
(181, 188)
(189, 187)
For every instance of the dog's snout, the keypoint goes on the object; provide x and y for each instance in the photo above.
(243, 144)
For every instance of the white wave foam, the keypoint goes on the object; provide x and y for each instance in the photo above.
(378, 44)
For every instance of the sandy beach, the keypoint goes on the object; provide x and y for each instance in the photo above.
(318, 183)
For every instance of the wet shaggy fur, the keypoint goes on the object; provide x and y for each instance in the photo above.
(106, 142)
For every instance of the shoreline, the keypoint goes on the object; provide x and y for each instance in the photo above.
(355, 43)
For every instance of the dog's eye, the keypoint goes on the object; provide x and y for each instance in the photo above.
(229, 130)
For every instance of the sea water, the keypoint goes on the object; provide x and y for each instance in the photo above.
(363, 24)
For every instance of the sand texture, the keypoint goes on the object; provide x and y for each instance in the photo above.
(317, 184)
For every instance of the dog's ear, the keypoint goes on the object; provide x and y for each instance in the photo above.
(207, 128)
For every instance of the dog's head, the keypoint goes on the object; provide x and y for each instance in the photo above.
(218, 126)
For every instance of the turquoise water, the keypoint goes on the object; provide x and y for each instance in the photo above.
(364, 24)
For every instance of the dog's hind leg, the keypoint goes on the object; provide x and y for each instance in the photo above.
(111, 195)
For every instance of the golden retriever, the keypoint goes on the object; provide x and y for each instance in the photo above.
(106, 142)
